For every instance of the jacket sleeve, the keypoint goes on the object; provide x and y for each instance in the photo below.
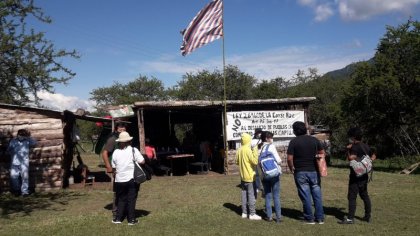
(273, 150)
(254, 157)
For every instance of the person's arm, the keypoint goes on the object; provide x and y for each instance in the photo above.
(254, 157)
(139, 158)
(273, 150)
(10, 147)
(154, 153)
(373, 157)
(105, 158)
(290, 163)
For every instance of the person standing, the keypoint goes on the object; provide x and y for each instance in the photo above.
(255, 146)
(19, 151)
(301, 158)
(107, 153)
(247, 161)
(125, 187)
(272, 185)
(357, 185)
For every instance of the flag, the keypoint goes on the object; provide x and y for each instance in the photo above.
(206, 27)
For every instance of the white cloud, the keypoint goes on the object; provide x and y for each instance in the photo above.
(307, 2)
(363, 9)
(358, 9)
(323, 12)
(276, 62)
(60, 102)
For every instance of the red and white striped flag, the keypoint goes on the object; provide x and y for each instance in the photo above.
(206, 27)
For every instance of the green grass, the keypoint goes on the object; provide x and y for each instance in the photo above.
(210, 205)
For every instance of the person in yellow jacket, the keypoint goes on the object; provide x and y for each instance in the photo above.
(247, 159)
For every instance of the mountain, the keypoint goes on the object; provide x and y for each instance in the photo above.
(345, 72)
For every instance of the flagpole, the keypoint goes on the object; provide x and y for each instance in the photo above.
(224, 93)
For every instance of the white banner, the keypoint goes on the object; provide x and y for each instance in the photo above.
(278, 122)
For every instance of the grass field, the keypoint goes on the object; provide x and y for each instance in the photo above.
(210, 205)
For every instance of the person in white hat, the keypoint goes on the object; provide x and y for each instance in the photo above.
(125, 187)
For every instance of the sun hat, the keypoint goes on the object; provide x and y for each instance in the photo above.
(124, 137)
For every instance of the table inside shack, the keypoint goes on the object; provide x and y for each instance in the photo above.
(176, 161)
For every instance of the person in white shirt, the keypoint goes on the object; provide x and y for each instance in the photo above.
(125, 187)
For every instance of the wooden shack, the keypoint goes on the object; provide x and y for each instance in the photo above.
(50, 161)
(204, 121)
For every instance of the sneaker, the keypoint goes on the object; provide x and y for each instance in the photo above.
(244, 216)
(254, 217)
(321, 222)
(133, 222)
(309, 222)
(115, 221)
(346, 221)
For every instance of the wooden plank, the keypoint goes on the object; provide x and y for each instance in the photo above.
(22, 121)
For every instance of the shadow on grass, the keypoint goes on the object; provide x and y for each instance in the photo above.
(139, 213)
(338, 213)
(290, 213)
(10, 204)
(233, 207)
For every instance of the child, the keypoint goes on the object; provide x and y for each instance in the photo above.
(247, 161)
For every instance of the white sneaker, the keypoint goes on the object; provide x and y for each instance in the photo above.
(244, 215)
(254, 217)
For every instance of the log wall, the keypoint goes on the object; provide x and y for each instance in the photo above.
(45, 172)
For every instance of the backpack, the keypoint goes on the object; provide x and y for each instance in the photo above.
(362, 167)
(268, 164)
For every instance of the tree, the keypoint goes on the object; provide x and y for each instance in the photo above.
(207, 85)
(383, 97)
(28, 62)
(141, 89)
(269, 89)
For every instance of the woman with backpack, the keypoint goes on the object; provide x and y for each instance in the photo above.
(269, 161)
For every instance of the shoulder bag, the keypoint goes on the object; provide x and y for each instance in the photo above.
(139, 176)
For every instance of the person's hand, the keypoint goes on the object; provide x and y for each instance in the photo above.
(108, 169)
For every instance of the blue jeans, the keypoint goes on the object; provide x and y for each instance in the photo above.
(272, 191)
(21, 171)
(308, 184)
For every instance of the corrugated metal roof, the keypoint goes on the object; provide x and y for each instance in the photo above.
(202, 103)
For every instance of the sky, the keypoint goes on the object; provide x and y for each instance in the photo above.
(120, 40)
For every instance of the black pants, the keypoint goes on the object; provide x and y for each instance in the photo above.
(358, 187)
(127, 196)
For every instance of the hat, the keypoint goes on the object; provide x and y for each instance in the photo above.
(257, 130)
(124, 137)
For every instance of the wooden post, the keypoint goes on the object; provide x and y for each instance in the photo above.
(140, 122)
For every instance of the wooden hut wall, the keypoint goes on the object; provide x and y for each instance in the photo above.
(45, 159)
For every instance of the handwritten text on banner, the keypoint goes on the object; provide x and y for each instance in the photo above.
(278, 122)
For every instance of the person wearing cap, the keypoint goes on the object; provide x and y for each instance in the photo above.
(107, 152)
(125, 187)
